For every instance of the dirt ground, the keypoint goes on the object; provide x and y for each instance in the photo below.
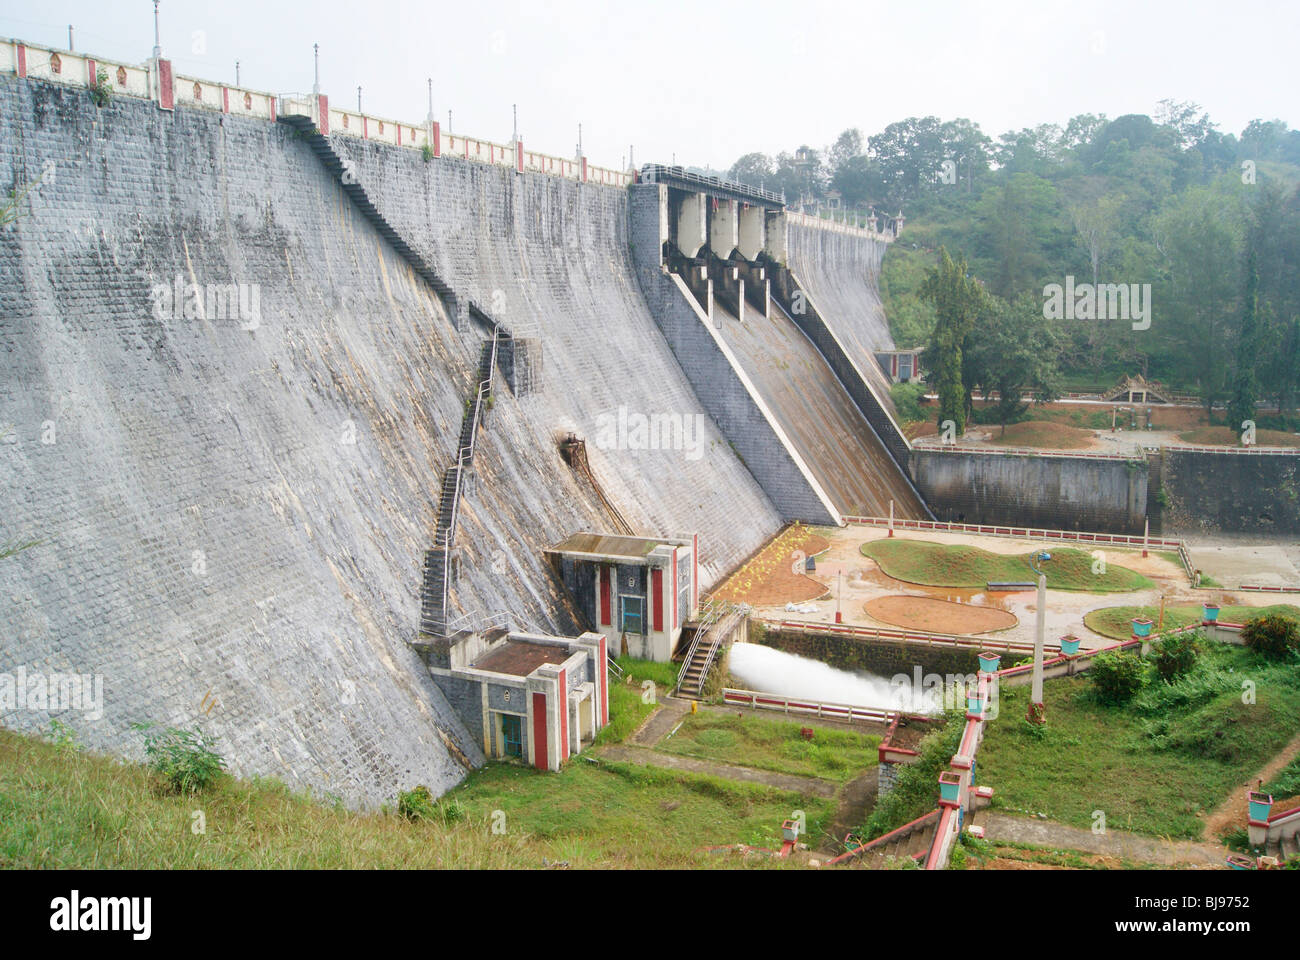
(770, 577)
(1233, 812)
(938, 616)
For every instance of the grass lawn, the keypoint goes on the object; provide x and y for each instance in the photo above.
(1116, 622)
(953, 565)
(61, 807)
(626, 815)
(630, 702)
(770, 744)
(1154, 766)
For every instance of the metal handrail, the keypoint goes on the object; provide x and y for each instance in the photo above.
(708, 616)
(713, 648)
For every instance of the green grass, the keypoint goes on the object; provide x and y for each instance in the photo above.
(1287, 782)
(1116, 622)
(770, 744)
(1155, 766)
(952, 565)
(61, 807)
(623, 814)
(628, 708)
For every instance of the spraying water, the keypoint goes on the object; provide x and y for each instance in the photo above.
(789, 675)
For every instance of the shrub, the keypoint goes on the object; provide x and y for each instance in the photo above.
(1176, 655)
(417, 804)
(1117, 677)
(427, 152)
(100, 91)
(1271, 636)
(907, 401)
(183, 758)
(917, 790)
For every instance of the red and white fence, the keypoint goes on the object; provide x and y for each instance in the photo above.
(154, 80)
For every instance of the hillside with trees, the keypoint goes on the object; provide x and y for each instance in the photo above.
(1169, 201)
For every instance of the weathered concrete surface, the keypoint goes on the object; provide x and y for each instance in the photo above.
(733, 401)
(1067, 493)
(551, 256)
(841, 270)
(1230, 492)
(818, 415)
(210, 531)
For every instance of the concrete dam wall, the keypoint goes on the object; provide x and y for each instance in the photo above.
(840, 269)
(232, 506)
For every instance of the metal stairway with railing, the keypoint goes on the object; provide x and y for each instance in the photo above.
(717, 621)
(437, 561)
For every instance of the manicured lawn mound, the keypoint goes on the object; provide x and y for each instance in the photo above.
(1042, 433)
(1157, 765)
(954, 565)
(1227, 437)
(770, 744)
(1116, 622)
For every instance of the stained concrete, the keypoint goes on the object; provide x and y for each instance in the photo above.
(238, 516)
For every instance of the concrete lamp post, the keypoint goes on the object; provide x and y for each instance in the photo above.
(1037, 712)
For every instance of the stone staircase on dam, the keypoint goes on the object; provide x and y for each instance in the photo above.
(344, 173)
(440, 560)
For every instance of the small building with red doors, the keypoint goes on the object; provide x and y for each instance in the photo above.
(535, 698)
(638, 591)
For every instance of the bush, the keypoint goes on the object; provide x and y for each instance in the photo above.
(100, 91)
(418, 804)
(907, 401)
(1117, 677)
(183, 758)
(917, 790)
(1271, 636)
(1176, 655)
(427, 152)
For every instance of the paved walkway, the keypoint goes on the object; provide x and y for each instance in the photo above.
(661, 722)
(782, 781)
(1114, 843)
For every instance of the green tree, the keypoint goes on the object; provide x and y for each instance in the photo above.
(958, 299)
(1245, 388)
(1012, 350)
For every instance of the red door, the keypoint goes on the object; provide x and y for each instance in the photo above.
(657, 588)
(604, 596)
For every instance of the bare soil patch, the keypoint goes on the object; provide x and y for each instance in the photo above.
(1225, 437)
(769, 576)
(938, 616)
(1041, 433)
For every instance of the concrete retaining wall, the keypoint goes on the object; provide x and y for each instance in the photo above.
(1042, 491)
(1229, 492)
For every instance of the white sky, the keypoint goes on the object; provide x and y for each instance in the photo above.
(709, 80)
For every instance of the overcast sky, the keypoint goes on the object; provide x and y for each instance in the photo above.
(708, 81)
